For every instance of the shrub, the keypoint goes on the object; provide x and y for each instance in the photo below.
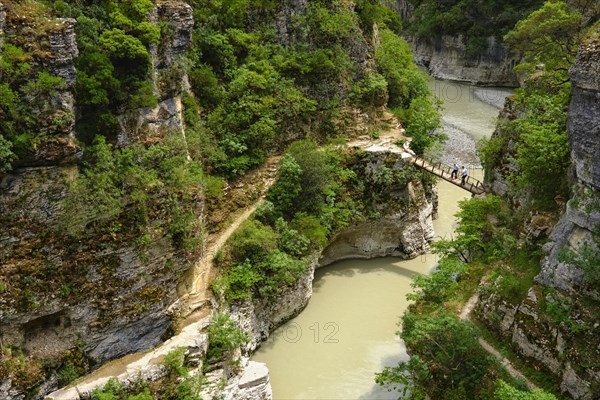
(310, 226)
(237, 282)
(252, 241)
(175, 362)
(279, 270)
(284, 193)
(437, 287)
(504, 391)
(291, 241)
(223, 337)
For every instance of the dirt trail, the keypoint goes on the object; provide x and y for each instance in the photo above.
(195, 302)
(195, 296)
(465, 315)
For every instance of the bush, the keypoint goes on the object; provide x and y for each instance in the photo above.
(252, 241)
(279, 270)
(175, 362)
(395, 61)
(310, 227)
(237, 282)
(504, 391)
(284, 193)
(223, 337)
(290, 240)
(440, 285)
(422, 120)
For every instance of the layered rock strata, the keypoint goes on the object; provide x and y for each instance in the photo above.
(564, 340)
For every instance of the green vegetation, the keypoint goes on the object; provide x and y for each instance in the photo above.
(506, 392)
(319, 191)
(24, 95)
(447, 362)
(409, 95)
(587, 258)
(113, 66)
(123, 189)
(178, 384)
(223, 338)
(548, 39)
(475, 20)
(446, 358)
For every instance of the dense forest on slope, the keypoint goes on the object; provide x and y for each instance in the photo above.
(476, 20)
(500, 240)
(132, 131)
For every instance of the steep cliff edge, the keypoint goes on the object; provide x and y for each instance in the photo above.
(582, 217)
(453, 55)
(556, 325)
(404, 228)
(76, 302)
(446, 57)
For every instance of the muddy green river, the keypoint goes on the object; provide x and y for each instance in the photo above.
(348, 330)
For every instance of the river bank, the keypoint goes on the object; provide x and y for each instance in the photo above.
(347, 331)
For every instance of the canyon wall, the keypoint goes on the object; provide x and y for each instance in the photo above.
(556, 325)
(445, 57)
(101, 297)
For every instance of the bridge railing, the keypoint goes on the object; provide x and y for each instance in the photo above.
(473, 185)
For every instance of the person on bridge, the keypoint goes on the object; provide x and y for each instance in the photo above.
(464, 175)
(454, 174)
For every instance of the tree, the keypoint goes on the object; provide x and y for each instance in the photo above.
(423, 118)
(480, 229)
(447, 361)
(287, 188)
(94, 198)
(549, 36)
(6, 155)
(395, 61)
(542, 151)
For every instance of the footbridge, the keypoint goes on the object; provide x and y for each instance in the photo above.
(471, 184)
(389, 144)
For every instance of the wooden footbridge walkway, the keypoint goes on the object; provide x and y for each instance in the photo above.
(445, 172)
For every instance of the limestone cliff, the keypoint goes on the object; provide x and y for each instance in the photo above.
(403, 229)
(445, 57)
(96, 298)
(556, 325)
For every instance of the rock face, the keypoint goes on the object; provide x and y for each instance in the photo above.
(584, 115)
(63, 51)
(403, 234)
(405, 211)
(259, 319)
(2, 22)
(583, 215)
(115, 295)
(567, 344)
(170, 79)
(152, 123)
(445, 57)
(178, 17)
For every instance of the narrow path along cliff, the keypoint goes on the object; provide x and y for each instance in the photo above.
(195, 304)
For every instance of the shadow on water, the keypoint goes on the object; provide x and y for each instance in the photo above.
(380, 392)
(352, 268)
